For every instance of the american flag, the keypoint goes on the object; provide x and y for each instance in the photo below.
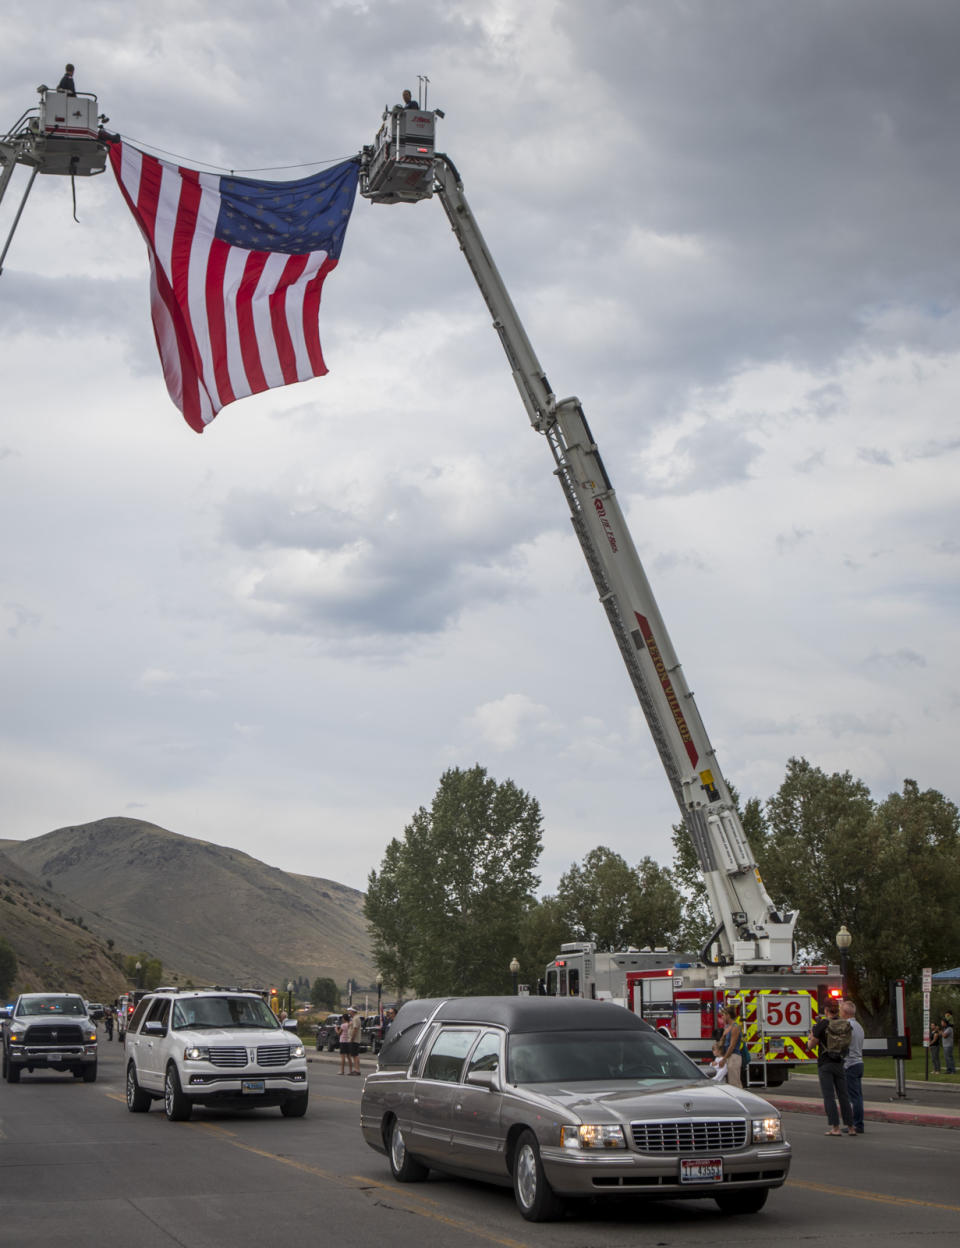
(236, 270)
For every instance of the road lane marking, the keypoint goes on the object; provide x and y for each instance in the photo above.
(413, 1202)
(880, 1197)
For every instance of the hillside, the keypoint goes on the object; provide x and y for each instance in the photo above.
(53, 950)
(211, 914)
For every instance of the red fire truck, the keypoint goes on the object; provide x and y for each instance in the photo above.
(683, 1000)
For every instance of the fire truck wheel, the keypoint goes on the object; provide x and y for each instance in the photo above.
(751, 1200)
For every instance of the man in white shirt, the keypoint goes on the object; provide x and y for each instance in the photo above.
(853, 1066)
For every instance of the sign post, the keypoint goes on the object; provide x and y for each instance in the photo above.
(927, 986)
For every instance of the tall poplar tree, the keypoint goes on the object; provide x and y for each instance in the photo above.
(446, 908)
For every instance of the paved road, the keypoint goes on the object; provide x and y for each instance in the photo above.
(77, 1170)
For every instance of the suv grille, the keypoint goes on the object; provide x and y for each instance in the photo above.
(228, 1057)
(273, 1055)
(54, 1034)
(689, 1137)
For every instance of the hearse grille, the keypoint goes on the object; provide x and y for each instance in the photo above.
(689, 1136)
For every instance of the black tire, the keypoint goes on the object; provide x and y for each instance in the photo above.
(90, 1073)
(405, 1169)
(138, 1102)
(11, 1072)
(295, 1106)
(535, 1198)
(176, 1106)
(751, 1200)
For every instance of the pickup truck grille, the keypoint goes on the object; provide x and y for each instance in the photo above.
(689, 1137)
(54, 1035)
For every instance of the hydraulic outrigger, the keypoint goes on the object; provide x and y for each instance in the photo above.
(402, 166)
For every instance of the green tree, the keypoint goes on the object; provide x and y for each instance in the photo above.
(8, 969)
(890, 872)
(605, 900)
(325, 993)
(543, 929)
(150, 974)
(445, 909)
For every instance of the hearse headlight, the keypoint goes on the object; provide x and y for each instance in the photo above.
(767, 1131)
(589, 1135)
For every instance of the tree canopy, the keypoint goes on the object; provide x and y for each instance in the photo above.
(889, 871)
(605, 900)
(446, 907)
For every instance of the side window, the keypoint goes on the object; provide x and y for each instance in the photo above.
(159, 1012)
(134, 1024)
(486, 1056)
(446, 1058)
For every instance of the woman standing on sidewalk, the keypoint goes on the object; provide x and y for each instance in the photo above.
(343, 1035)
(730, 1040)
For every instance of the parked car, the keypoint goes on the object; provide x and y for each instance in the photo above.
(49, 1031)
(563, 1099)
(328, 1033)
(95, 1010)
(213, 1046)
(372, 1032)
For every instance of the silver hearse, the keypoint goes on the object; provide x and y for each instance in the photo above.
(562, 1099)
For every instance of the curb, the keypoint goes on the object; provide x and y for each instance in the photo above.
(872, 1112)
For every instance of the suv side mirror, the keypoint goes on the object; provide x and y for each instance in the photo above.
(154, 1028)
(289, 1024)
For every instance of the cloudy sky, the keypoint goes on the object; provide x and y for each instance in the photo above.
(732, 229)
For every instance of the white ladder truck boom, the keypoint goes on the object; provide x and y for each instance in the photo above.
(63, 135)
(403, 167)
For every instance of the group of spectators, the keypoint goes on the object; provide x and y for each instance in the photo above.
(350, 1032)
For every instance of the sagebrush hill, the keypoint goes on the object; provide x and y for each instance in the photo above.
(210, 914)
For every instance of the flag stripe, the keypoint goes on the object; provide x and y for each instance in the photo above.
(231, 320)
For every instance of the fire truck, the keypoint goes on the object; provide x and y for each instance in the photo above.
(751, 953)
(683, 998)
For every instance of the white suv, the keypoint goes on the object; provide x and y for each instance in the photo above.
(213, 1046)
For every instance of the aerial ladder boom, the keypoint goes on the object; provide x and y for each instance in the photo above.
(402, 167)
(63, 135)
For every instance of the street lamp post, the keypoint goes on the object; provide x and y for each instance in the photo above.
(380, 997)
(514, 972)
(844, 941)
(289, 998)
(139, 968)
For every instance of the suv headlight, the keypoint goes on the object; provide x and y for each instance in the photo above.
(767, 1131)
(297, 1051)
(196, 1053)
(592, 1136)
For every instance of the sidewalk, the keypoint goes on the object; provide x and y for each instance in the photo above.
(885, 1105)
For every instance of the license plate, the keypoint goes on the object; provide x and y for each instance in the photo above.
(696, 1171)
(251, 1085)
(54, 1057)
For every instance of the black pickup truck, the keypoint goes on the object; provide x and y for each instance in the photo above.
(49, 1031)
